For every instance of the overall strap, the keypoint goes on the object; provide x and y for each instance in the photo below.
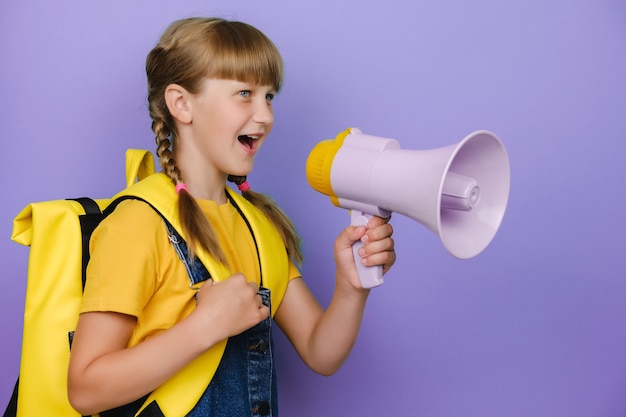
(256, 245)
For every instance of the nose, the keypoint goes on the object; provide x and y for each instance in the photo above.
(263, 112)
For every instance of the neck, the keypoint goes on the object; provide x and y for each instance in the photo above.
(202, 181)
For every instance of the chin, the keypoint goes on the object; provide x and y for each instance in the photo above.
(241, 172)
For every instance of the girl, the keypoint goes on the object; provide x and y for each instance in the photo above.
(211, 83)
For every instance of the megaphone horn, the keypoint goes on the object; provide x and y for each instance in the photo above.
(459, 192)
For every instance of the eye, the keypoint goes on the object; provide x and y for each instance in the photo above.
(244, 93)
(269, 97)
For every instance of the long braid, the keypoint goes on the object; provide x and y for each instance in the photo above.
(282, 222)
(195, 225)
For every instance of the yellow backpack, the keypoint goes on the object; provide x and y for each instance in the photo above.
(58, 233)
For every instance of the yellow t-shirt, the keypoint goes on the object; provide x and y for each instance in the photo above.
(135, 270)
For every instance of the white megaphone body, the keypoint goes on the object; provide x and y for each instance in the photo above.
(459, 192)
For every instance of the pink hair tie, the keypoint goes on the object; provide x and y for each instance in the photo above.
(181, 186)
(244, 186)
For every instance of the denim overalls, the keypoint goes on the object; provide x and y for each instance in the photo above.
(244, 384)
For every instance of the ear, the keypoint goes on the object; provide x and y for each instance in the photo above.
(177, 100)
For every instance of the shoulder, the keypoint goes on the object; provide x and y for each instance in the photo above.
(131, 220)
(126, 256)
(134, 209)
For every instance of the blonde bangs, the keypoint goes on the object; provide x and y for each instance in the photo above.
(242, 53)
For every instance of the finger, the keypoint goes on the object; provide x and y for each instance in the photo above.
(254, 286)
(377, 246)
(208, 283)
(385, 258)
(379, 232)
(376, 221)
(389, 263)
(348, 236)
(264, 312)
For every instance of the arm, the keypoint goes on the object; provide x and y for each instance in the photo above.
(324, 338)
(104, 374)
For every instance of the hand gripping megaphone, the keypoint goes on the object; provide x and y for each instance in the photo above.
(459, 192)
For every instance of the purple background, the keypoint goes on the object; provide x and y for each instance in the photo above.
(534, 326)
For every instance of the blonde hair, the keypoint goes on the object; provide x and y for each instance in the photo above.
(189, 51)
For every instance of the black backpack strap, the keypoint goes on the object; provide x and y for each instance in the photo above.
(88, 222)
(152, 410)
(11, 410)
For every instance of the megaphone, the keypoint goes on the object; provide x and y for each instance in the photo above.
(459, 192)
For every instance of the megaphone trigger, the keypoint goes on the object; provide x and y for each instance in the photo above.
(370, 276)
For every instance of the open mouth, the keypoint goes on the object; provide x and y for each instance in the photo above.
(248, 140)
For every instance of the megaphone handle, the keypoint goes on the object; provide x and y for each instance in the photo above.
(370, 276)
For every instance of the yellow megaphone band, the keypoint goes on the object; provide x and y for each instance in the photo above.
(319, 163)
